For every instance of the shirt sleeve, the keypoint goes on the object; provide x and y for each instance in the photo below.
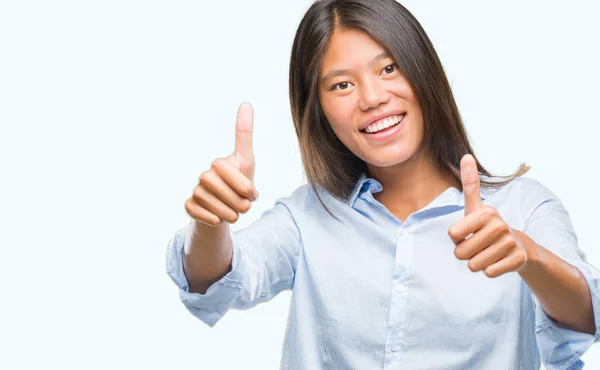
(549, 225)
(264, 260)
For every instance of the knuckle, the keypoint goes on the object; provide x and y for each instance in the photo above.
(491, 273)
(196, 215)
(232, 218)
(201, 214)
(489, 211)
(245, 206)
(246, 189)
(218, 164)
(213, 221)
(500, 226)
(199, 193)
(473, 266)
(188, 206)
(206, 177)
(508, 242)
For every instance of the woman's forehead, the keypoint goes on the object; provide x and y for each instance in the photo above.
(348, 48)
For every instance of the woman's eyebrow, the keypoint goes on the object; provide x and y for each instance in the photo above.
(343, 72)
(335, 73)
(379, 57)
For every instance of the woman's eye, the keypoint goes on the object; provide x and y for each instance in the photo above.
(390, 69)
(341, 86)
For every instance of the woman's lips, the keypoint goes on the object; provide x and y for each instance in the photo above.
(387, 132)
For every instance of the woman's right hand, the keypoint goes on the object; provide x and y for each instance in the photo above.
(227, 188)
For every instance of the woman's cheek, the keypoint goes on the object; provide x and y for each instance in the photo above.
(339, 115)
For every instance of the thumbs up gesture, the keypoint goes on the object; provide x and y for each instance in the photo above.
(482, 237)
(227, 188)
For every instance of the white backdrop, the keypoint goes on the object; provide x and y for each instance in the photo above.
(110, 110)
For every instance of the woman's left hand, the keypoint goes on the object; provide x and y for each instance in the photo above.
(482, 237)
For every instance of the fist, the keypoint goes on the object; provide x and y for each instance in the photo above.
(482, 237)
(227, 189)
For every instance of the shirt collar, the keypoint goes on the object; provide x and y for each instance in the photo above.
(363, 184)
(450, 197)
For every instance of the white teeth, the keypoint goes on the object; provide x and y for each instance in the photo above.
(384, 123)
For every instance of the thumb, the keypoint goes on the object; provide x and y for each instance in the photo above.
(244, 156)
(469, 176)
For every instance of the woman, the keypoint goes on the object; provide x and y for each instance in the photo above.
(381, 247)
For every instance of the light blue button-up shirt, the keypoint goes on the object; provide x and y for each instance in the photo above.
(371, 292)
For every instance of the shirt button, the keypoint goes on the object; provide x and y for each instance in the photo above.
(399, 288)
(394, 347)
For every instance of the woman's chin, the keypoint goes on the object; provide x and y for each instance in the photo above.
(387, 161)
(384, 163)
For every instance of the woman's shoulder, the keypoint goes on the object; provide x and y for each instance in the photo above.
(525, 192)
(299, 199)
(311, 198)
(528, 187)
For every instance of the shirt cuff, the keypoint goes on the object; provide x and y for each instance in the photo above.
(211, 306)
(560, 347)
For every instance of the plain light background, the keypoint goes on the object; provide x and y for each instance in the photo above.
(110, 110)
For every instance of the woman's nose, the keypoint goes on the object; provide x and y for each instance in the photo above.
(373, 94)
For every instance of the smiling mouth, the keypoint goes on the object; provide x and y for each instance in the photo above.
(383, 124)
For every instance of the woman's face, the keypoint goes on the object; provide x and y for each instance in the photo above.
(362, 91)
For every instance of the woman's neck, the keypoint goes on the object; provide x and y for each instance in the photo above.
(410, 186)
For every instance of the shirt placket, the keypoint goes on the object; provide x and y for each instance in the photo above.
(398, 302)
